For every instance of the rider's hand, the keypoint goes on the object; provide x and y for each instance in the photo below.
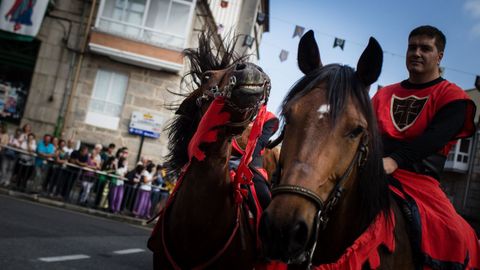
(389, 165)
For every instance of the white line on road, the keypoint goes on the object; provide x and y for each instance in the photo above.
(64, 258)
(128, 251)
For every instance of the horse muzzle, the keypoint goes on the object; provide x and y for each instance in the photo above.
(284, 241)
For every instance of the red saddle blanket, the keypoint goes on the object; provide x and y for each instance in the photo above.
(443, 239)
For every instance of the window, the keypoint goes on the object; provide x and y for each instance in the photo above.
(459, 156)
(162, 22)
(107, 99)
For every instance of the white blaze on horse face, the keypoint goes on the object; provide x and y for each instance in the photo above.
(323, 110)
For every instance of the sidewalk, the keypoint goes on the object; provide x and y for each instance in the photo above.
(77, 208)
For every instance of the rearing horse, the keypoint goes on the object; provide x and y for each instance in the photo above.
(331, 208)
(202, 225)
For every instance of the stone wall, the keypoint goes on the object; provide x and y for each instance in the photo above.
(61, 35)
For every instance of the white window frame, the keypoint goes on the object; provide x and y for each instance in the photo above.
(452, 163)
(101, 120)
(143, 27)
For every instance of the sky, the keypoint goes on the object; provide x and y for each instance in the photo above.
(388, 21)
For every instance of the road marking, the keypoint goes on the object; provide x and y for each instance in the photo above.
(64, 258)
(128, 251)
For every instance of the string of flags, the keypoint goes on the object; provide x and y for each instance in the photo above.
(339, 42)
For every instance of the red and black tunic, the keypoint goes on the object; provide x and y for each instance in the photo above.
(418, 122)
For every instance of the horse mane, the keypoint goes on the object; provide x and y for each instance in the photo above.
(342, 83)
(187, 116)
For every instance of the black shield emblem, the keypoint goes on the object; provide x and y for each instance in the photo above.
(405, 111)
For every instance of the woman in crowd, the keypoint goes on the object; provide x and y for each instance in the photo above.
(130, 188)
(142, 203)
(88, 176)
(116, 188)
(159, 191)
(109, 167)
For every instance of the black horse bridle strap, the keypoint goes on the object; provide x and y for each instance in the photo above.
(300, 191)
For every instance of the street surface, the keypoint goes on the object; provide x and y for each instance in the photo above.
(34, 236)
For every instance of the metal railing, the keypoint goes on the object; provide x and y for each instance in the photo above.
(28, 172)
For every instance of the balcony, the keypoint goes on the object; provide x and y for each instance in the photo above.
(459, 156)
(147, 33)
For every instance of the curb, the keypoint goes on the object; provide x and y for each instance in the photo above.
(76, 208)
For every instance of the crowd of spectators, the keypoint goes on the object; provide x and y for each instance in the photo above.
(97, 177)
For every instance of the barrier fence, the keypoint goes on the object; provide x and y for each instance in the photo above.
(30, 173)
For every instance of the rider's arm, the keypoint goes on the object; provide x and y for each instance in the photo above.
(447, 122)
(269, 128)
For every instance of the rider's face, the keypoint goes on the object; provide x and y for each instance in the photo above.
(423, 57)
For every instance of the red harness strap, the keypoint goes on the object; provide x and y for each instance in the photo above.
(365, 248)
(206, 132)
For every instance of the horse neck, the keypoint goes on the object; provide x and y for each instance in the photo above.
(343, 227)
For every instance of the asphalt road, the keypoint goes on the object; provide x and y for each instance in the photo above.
(35, 236)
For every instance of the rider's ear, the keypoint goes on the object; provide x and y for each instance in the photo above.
(308, 55)
(369, 65)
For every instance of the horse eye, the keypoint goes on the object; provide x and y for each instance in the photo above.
(206, 77)
(357, 131)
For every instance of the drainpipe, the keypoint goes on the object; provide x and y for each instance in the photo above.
(471, 165)
(78, 67)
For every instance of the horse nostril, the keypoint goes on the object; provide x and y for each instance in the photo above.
(240, 66)
(298, 236)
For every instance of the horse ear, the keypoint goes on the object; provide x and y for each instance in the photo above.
(369, 65)
(308, 55)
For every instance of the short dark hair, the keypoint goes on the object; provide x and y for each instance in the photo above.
(112, 145)
(431, 32)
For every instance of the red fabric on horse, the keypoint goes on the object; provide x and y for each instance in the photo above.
(206, 131)
(445, 236)
(365, 248)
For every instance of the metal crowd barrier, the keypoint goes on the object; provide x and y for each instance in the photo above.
(30, 173)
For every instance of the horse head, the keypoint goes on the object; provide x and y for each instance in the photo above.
(216, 74)
(329, 144)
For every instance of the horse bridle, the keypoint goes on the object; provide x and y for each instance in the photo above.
(226, 91)
(325, 208)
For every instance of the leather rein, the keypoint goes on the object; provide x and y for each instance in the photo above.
(325, 208)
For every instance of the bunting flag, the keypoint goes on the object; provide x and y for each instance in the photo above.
(248, 41)
(339, 43)
(283, 56)
(477, 82)
(298, 31)
(22, 17)
(261, 18)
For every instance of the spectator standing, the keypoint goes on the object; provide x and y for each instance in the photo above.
(4, 140)
(116, 190)
(130, 188)
(80, 159)
(69, 147)
(159, 191)
(142, 203)
(26, 129)
(108, 167)
(58, 170)
(26, 162)
(109, 152)
(88, 176)
(45, 152)
(10, 157)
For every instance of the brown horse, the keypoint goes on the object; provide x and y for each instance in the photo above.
(201, 226)
(332, 186)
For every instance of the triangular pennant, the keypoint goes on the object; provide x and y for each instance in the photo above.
(298, 31)
(339, 43)
(283, 56)
(477, 82)
(248, 41)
